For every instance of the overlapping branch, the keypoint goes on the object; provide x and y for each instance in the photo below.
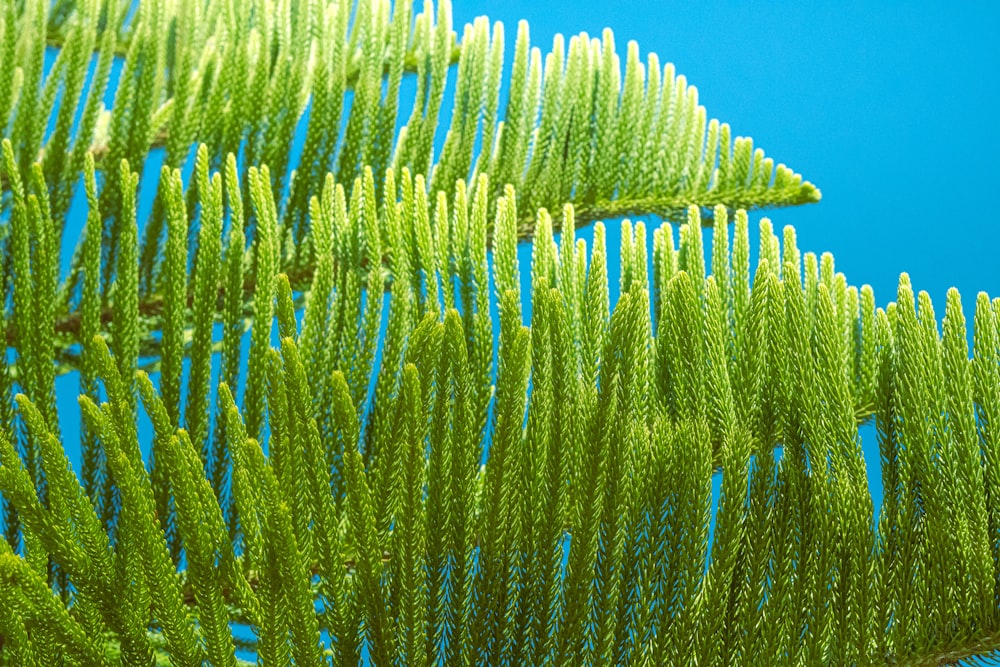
(400, 470)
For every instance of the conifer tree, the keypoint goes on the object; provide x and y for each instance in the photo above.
(353, 461)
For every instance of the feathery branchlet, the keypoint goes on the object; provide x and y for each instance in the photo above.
(353, 463)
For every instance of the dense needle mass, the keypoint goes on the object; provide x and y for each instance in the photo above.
(391, 477)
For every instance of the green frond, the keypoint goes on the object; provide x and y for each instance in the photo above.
(790, 362)
(188, 68)
(36, 604)
(400, 480)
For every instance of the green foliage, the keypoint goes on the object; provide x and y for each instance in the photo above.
(463, 491)
(576, 130)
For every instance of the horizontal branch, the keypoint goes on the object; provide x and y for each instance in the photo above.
(67, 326)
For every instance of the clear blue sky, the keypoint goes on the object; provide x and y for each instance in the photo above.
(888, 107)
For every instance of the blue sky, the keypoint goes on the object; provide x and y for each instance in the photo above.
(888, 107)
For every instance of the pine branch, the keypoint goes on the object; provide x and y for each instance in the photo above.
(660, 134)
(551, 506)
